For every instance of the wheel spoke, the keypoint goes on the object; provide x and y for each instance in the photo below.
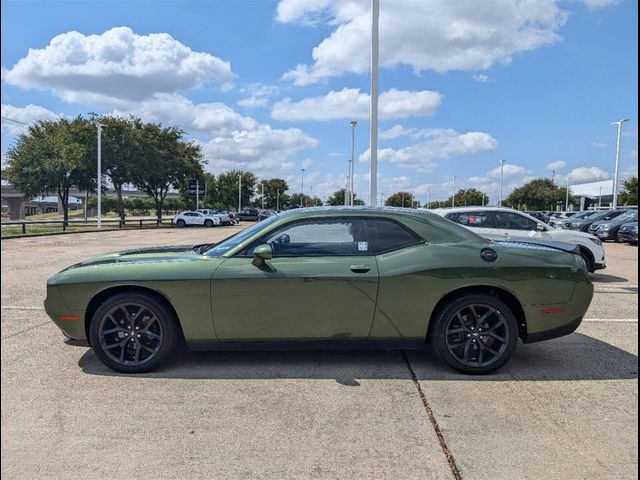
(467, 347)
(475, 314)
(480, 320)
(112, 330)
(497, 337)
(151, 321)
(149, 333)
(118, 344)
(498, 324)
(137, 357)
(456, 330)
(491, 350)
(479, 351)
(148, 349)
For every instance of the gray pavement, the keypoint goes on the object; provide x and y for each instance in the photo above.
(561, 409)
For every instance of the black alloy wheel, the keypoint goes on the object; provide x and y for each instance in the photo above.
(475, 333)
(132, 332)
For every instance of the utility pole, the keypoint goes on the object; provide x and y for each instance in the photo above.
(277, 200)
(566, 204)
(615, 177)
(373, 144)
(197, 194)
(381, 195)
(262, 185)
(428, 197)
(100, 126)
(351, 164)
(239, 192)
(502, 162)
(302, 189)
(453, 198)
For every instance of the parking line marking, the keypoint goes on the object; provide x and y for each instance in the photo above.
(628, 320)
(19, 307)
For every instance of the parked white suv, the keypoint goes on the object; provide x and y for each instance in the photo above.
(497, 223)
(184, 219)
(225, 218)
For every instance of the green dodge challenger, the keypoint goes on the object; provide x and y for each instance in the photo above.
(336, 277)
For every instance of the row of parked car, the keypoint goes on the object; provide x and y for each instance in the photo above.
(505, 224)
(207, 217)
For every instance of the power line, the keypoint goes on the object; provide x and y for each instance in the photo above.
(14, 121)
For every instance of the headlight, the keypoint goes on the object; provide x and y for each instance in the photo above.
(595, 240)
(604, 226)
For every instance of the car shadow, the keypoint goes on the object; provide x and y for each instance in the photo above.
(571, 358)
(605, 278)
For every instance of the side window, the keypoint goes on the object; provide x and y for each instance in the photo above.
(387, 236)
(319, 238)
(472, 219)
(513, 221)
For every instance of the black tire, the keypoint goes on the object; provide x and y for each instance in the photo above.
(588, 259)
(113, 332)
(180, 223)
(458, 339)
(615, 237)
(208, 223)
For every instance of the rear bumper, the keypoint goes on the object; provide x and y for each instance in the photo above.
(560, 331)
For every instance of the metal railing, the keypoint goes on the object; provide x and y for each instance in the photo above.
(152, 222)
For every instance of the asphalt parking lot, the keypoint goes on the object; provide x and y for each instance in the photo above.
(564, 409)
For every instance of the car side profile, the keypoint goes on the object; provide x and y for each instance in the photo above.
(609, 229)
(340, 277)
(497, 223)
(185, 219)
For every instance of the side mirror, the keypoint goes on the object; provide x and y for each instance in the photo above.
(540, 227)
(262, 253)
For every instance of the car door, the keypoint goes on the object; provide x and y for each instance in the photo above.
(481, 222)
(512, 225)
(321, 284)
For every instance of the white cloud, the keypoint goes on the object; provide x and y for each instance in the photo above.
(426, 35)
(115, 67)
(595, 4)
(558, 165)
(395, 132)
(587, 174)
(599, 144)
(439, 144)
(212, 119)
(351, 103)
(509, 170)
(263, 150)
(259, 95)
(27, 115)
(481, 77)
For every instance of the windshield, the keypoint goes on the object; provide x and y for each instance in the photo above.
(631, 214)
(235, 240)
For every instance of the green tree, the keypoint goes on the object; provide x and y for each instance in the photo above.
(52, 156)
(225, 194)
(120, 152)
(165, 161)
(629, 195)
(538, 194)
(274, 189)
(468, 197)
(400, 199)
(337, 198)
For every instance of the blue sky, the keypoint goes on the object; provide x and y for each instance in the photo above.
(272, 86)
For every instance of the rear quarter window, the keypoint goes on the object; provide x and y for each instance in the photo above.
(387, 235)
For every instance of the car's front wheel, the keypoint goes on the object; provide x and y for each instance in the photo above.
(475, 333)
(180, 223)
(208, 223)
(133, 332)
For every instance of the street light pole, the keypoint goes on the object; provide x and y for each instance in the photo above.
(99, 225)
(600, 199)
(566, 203)
(302, 188)
(615, 177)
(373, 144)
(262, 185)
(428, 198)
(351, 164)
(502, 162)
(239, 192)
(277, 200)
(453, 199)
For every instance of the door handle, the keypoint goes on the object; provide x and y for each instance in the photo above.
(360, 268)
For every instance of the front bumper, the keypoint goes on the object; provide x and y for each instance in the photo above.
(626, 237)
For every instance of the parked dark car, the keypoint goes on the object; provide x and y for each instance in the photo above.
(628, 233)
(249, 214)
(585, 222)
(609, 229)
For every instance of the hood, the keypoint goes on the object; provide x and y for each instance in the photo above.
(175, 253)
(540, 244)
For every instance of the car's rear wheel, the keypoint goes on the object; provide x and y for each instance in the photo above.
(180, 223)
(133, 332)
(208, 223)
(475, 333)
